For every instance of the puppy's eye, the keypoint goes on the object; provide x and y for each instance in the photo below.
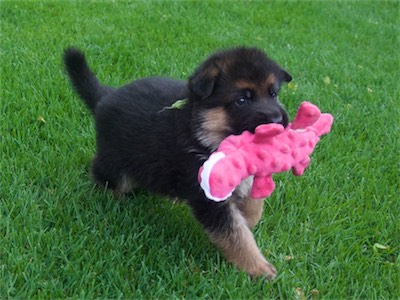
(241, 101)
(272, 93)
(245, 98)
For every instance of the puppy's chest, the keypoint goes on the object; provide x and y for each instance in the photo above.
(243, 190)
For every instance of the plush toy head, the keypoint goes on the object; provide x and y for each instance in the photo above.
(271, 149)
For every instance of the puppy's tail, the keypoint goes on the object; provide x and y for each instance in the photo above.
(83, 80)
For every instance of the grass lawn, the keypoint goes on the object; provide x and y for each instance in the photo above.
(333, 233)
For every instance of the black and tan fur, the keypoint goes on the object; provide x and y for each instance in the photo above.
(141, 143)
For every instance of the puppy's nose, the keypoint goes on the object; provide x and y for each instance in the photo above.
(271, 117)
(280, 118)
(277, 118)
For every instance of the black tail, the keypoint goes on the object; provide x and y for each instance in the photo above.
(84, 81)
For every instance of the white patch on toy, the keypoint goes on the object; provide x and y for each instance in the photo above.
(205, 175)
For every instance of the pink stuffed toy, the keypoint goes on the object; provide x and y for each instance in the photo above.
(271, 149)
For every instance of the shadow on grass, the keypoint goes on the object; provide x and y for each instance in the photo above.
(166, 223)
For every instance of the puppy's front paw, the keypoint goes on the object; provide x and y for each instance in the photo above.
(264, 269)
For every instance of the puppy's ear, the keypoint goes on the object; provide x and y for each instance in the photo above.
(202, 82)
(286, 76)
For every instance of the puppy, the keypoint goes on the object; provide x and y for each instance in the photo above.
(143, 142)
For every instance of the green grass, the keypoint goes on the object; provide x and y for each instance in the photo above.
(61, 237)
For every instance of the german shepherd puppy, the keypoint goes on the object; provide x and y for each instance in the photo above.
(142, 142)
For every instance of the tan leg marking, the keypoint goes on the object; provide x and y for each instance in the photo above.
(124, 186)
(252, 210)
(239, 247)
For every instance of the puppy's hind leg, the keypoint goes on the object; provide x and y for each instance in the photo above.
(97, 172)
(229, 231)
(124, 186)
(105, 177)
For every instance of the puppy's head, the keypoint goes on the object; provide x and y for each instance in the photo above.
(234, 91)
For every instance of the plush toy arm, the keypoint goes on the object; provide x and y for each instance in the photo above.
(299, 168)
(320, 127)
(306, 115)
(262, 187)
(323, 124)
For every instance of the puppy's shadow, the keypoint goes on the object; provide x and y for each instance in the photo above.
(159, 217)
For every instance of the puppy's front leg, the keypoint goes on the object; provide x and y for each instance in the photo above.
(251, 209)
(229, 231)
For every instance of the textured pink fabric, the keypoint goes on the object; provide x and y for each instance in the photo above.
(271, 149)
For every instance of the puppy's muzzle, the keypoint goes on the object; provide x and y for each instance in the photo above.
(275, 116)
